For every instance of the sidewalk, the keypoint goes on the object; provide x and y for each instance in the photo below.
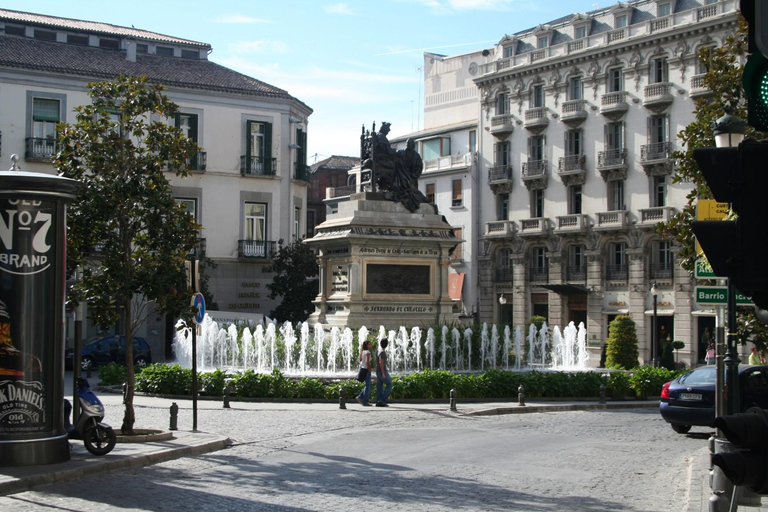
(699, 491)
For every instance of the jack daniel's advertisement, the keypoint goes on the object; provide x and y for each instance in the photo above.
(27, 274)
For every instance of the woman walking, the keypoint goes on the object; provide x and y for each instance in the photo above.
(383, 377)
(365, 362)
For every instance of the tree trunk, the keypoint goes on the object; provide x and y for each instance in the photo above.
(130, 417)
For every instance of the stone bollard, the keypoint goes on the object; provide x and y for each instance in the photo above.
(602, 393)
(453, 399)
(342, 398)
(226, 393)
(174, 417)
(521, 396)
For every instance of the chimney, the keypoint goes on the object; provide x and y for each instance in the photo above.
(130, 54)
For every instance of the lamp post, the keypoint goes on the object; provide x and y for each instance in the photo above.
(729, 131)
(502, 301)
(655, 332)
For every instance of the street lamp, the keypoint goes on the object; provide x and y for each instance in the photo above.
(655, 332)
(502, 299)
(729, 131)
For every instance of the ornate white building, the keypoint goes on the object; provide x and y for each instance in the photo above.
(575, 123)
(249, 189)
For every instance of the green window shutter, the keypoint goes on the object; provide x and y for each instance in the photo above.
(248, 141)
(268, 149)
(45, 110)
(193, 127)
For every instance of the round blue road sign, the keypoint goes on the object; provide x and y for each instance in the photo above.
(199, 302)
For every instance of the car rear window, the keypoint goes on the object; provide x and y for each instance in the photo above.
(704, 376)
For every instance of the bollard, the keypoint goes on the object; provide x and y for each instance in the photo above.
(342, 398)
(226, 393)
(453, 399)
(174, 417)
(602, 393)
(521, 395)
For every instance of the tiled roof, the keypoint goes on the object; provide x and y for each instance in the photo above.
(336, 162)
(90, 26)
(101, 64)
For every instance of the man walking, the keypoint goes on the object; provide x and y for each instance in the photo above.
(383, 376)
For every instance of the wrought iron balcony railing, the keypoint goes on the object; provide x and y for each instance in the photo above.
(255, 249)
(257, 166)
(41, 150)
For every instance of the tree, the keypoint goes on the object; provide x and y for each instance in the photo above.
(723, 78)
(125, 226)
(295, 268)
(621, 346)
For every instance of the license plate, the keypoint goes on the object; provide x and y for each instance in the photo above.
(690, 396)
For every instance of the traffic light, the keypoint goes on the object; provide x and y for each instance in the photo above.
(738, 249)
(748, 464)
(755, 77)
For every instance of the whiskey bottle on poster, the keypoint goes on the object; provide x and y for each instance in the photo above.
(11, 359)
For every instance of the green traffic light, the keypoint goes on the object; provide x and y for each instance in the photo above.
(755, 82)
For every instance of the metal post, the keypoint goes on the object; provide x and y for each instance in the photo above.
(342, 398)
(226, 396)
(731, 361)
(655, 335)
(719, 344)
(521, 396)
(77, 358)
(602, 393)
(452, 402)
(174, 417)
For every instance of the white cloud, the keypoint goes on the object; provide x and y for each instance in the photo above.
(262, 47)
(340, 8)
(238, 19)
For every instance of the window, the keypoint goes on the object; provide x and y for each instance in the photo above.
(574, 88)
(311, 223)
(662, 260)
(258, 148)
(621, 21)
(45, 35)
(142, 48)
(536, 148)
(296, 223)
(657, 129)
(616, 195)
(164, 50)
(574, 199)
(542, 42)
(537, 203)
(472, 141)
(658, 191)
(189, 205)
(503, 200)
(580, 33)
(435, 148)
(456, 197)
(537, 96)
(78, 40)
(458, 253)
(615, 80)
(658, 72)
(538, 264)
(703, 62)
(187, 123)
(190, 54)
(577, 268)
(614, 136)
(509, 51)
(502, 104)
(112, 44)
(430, 192)
(617, 261)
(501, 154)
(255, 237)
(15, 30)
(573, 142)
(45, 116)
(665, 10)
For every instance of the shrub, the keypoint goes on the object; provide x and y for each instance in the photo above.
(250, 384)
(112, 374)
(212, 383)
(647, 381)
(164, 379)
(621, 346)
(617, 385)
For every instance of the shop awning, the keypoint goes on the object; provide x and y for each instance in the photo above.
(660, 312)
(567, 289)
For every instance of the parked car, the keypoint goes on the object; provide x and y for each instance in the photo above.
(689, 400)
(109, 349)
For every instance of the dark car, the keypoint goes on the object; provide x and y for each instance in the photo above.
(690, 399)
(109, 349)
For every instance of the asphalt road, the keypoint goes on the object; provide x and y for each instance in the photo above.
(295, 459)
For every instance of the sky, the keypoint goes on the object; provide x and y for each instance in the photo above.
(352, 62)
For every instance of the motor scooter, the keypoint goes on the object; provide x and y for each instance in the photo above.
(98, 437)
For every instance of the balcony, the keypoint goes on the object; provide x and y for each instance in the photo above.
(661, 270)
(573, 113)
(657, 97)
(698, 88)
(612, 164)
(301, 172)
(575, 223)
(572, 169)
(449, 162)
(613, 105)
(40, 150)
(655, 158)
(576, 273)
(536, 120)
(500, 179)
(616, 35)
(617, 272)
(499, 228)
(255, 249)
(658, 24)
(649, 217)
(535, 174)
(538, 274)
(198, 162)
(257, 166)
(504, 274)
(502, 125)
(616, 220)
(534, 227)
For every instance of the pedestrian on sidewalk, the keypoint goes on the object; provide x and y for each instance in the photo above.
(755, 357)
(711, 354)
(383, 376)
(365, 362)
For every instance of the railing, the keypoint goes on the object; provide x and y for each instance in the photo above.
(706, 12)
(535, 168)
(535, 114)
(572, 163)
(616, 35)
(504, 274)
(612, 99)
(537, 225)
(301, 172)
(502, 121)
(657, 90)
(540, 54)
(573, 222)
(448, 162)
(698, 87)
(617, 272)
(257, 166)
(611, 157)
(346, 190)
(575, 46)
(655, 151)
(660, 24)
(576, 273)
(573, 107)
(656, 215)
(499, 173)
(662, 270)
(41, 149)
(538, 273)
(615, 218)
(499, 228)
(261, 249)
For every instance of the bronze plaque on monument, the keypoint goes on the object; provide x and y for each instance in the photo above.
(397, 279)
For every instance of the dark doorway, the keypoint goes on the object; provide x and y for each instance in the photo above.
(706, 325)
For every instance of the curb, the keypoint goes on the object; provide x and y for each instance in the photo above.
(524, 409)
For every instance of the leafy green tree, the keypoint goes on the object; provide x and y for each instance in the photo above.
(295, 268)
(125, 226)
(621, 346)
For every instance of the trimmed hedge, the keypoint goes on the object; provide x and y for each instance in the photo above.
(426, 385)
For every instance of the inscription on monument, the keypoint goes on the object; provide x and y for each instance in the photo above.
(397, 279)
(340, 280)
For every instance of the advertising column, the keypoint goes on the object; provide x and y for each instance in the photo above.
(32, 294)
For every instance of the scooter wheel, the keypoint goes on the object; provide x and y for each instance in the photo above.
(99, 440)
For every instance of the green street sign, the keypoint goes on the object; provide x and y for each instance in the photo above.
(719, 295)
(704, 270)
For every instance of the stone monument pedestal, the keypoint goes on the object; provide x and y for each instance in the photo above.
(381, 264)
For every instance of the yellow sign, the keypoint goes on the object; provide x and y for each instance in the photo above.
(709, 209)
